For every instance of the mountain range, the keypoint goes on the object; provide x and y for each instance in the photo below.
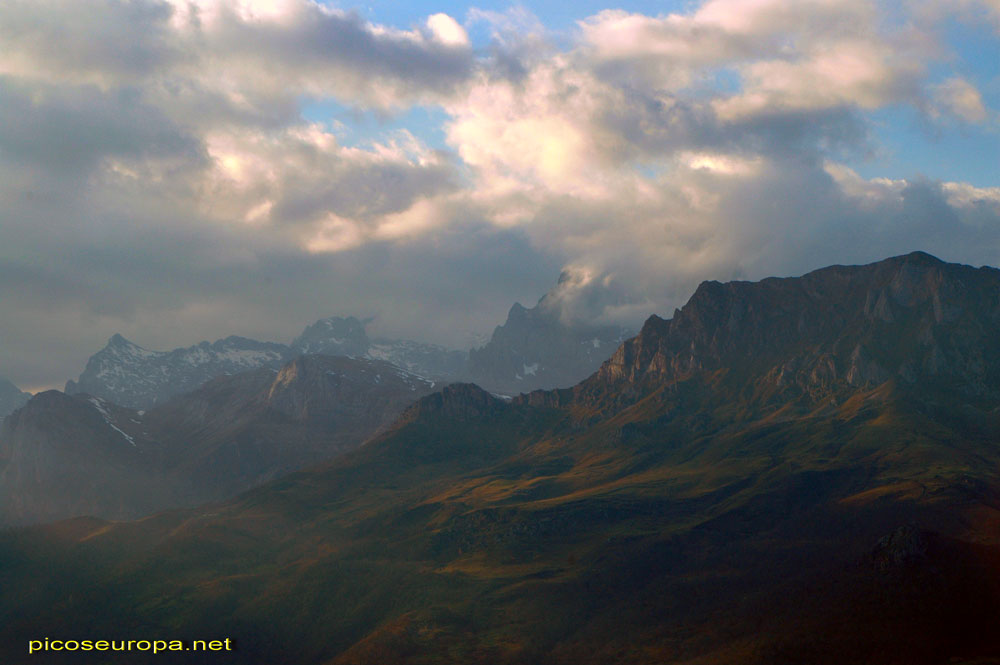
(534, 349)
(129, 375)
(799, 470)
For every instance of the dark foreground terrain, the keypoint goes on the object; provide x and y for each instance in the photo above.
(791, 471)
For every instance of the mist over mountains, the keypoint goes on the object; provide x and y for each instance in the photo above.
(536, 348)
(65, 455)
(144, 430)
(291, 264)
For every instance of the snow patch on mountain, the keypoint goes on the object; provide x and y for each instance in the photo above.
(103, 410)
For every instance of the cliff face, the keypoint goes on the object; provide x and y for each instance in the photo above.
(913, 319)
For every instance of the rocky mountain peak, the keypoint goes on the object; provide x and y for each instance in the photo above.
(117, 345)
(335, 336)
(127, 374)
(517, 312)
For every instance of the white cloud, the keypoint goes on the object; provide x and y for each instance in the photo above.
(816, 54)
(447, 30)
(959, 98)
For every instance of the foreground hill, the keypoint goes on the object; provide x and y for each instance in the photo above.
(64, 455)
(791, 471)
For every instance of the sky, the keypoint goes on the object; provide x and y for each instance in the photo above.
(183, 170)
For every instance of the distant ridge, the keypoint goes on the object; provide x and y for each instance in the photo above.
(129, 375)
(534, 349)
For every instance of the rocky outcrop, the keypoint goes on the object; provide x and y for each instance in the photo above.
(906, 546)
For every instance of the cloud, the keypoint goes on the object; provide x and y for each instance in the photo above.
(298, 178)
(160, 178)
(812, 55)
(102, 42)
(446, 30)
(59, 128)
(960, 99)
(243, 51)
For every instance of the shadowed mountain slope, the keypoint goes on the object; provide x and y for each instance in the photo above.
(791, 471)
